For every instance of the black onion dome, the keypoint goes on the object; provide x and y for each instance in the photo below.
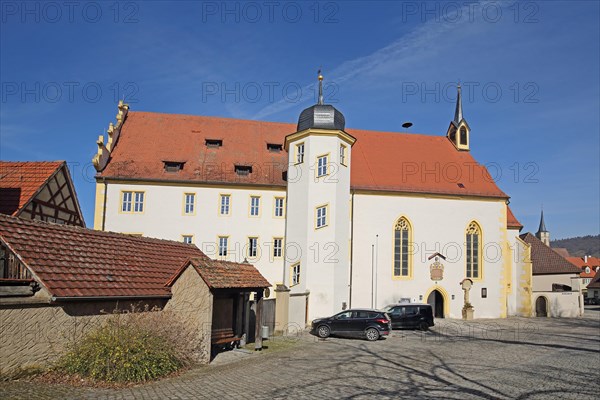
(322, 116)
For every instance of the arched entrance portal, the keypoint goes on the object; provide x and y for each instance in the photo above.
(436, 300)
(541, 307)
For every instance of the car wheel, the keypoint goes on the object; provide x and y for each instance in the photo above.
(323, 331)
(424, 326)
(372, 334)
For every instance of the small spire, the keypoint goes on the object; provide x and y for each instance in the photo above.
(458, 114)
(542, 227)
(320, 102)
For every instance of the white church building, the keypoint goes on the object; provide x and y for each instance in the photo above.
(333, 217)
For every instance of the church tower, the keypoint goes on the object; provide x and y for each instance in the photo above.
(459, 131)
(542, 233)
(318, 209)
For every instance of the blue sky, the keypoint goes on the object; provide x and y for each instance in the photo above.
(529, 70)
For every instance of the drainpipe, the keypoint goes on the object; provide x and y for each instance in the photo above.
(351, 248)
(104, 203)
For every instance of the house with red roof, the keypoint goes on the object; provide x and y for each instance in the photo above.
(333, 217)
(40, 190)
(593, 288)
(556, 283)
(59, 281)
(589, 266)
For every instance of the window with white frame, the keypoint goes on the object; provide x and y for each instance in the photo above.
(189, 203)
(295, 274)
(132, 202)
(277, 247)
(252, 247)
(473, 239)
(223, 246)
(279, 206)
(321, 216)
(342, 154)
(225, 202)
(322, 166)
(189, 239)
(300, 153)
(254, 206)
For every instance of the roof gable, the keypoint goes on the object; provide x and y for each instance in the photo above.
(381, 161)
(71, 261)
(545, 260)
(20, 181)
(219, 274)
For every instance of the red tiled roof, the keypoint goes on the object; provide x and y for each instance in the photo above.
(381, 161)
(595, 283)
(545, 260)
(592, 263)
(511, 220)
(20, 181)
(225, 274)
(77, 262)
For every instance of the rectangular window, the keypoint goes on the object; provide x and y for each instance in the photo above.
(277, 247)
(225, 201)
(279, 206)
(321, 216)
(126, 204)
(342, 154)
(252, 247)
(214, 143)
(322, 166)
(133, 202)
(189, 239)
(223, 246)
(295, 274)
(300, 153)
(254, 206)
(189, 203)
(400, 252)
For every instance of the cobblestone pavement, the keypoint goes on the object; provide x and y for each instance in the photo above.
(514, 358)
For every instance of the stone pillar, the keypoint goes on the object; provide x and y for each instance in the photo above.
(282, 308)
(258, 327)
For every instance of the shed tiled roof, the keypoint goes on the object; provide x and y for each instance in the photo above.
(77, 262)
(225, 274)
(562, 251)
(20, 181)
(381, 161)
(545, 260)
(511, 220)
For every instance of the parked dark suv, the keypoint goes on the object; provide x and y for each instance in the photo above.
(370, 324)
(408, 315)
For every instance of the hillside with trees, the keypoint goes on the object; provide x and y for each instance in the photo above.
(580, 246)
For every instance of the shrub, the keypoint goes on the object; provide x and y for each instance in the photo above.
(132, 347)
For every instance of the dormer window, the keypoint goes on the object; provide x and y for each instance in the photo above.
(274, 147)
(173, 166)
(213, 143)
(243, 170)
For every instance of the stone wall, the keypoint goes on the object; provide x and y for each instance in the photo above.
(34, 333)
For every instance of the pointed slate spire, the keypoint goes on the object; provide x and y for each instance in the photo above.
(458, 113)
(320, 102)
(542, 227)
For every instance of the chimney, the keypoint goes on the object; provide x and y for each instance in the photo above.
(585, 259)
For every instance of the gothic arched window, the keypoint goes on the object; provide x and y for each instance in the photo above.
(402, 256)
(473, 251)
(463, 136)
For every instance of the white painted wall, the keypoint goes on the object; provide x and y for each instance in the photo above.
(438, 225)
(543, 283)
(562, 304)
(324, 257)
(163, 218)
